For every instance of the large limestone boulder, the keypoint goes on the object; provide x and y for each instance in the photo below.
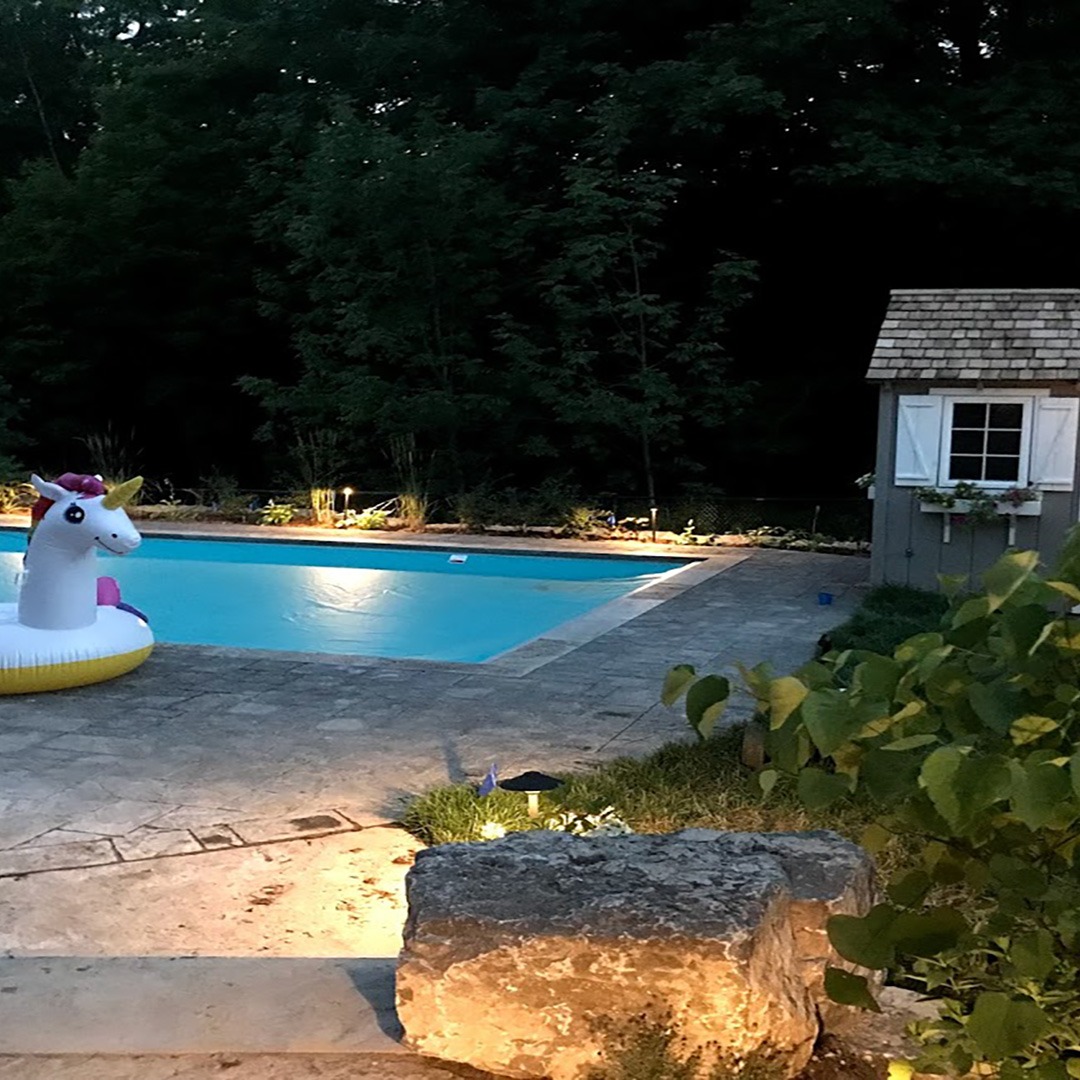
(827, 876)
(514, 950)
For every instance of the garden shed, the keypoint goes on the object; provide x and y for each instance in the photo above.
(977, 429)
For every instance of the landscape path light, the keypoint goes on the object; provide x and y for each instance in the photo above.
(532, 783)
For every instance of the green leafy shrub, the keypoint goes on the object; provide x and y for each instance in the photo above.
(579, 521)
(239, 508)
(414, 509)
(549, 504)
(217, 488)
(775, 536)
(473, 509)
(965, 739)
(167, 512)
(277, 513)
(889, 615)
(375, 517)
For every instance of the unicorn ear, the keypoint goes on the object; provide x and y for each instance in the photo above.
(48, 490)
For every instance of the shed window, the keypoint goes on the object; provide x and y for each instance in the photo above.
(993, 438)
(986, 441)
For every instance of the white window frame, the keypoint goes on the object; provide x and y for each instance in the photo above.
(999, 397)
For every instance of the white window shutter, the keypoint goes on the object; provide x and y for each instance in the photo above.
(918, 439)
(1053, 443)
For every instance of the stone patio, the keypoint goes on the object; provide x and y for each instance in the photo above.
(206, 748)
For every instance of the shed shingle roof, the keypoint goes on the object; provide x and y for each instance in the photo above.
(990, 334)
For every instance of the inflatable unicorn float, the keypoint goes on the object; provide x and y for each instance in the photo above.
(69, 627)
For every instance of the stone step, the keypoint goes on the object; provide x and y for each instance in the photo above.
(197, 1005)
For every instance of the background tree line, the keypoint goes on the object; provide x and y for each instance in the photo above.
(628, 244)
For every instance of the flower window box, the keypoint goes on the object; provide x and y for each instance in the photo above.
(962, 507)
(1021, 502)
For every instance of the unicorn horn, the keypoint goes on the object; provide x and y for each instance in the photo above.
(122, 493)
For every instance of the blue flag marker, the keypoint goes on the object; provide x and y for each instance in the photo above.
(489, 783)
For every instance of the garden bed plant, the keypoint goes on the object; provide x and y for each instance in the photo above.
(965, 742)
(887, 616)
(547, 513)
(953, 757)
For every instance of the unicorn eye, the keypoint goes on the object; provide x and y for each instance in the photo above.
(74, 514)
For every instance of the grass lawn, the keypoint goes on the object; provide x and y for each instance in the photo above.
(680, 786)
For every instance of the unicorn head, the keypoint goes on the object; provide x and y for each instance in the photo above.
(74, 517)
(78, 514)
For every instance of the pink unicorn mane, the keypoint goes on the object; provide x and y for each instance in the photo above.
(87, 486)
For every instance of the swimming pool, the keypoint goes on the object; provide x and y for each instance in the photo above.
(355, 600)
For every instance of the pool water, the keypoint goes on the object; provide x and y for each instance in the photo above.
(361, 601)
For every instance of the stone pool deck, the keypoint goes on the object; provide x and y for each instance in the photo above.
(204, 748)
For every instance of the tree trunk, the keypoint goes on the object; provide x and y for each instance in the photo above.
(643, 367)
(646, 461)
(39, 106)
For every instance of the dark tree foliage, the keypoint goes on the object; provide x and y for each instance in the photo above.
(628, 245)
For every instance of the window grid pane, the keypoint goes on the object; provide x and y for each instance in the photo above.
(1007, 416)
(966, 415)
(969, 442)
(962, 467)
(1003, 442)
(1002, 468)
(986, 441)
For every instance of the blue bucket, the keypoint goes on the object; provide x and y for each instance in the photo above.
(824, 598)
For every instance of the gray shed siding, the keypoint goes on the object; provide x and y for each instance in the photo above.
(908, 548)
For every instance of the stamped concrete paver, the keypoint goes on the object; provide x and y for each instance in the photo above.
(57, 857)
(150, 843)
(333, 896)
(215, 837)
(263, 831)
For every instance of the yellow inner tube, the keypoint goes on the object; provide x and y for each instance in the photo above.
(42, 677)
